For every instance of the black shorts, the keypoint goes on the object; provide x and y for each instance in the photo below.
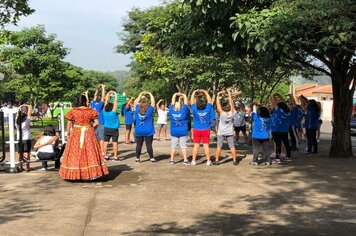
(128, 127)
(240, 128)
(26, 146)
(189, 126)
(111, 133)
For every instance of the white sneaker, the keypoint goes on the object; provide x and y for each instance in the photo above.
(193, 163)
(43, 169)
(208, 163)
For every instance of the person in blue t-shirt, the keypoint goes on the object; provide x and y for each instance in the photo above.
(179, 126)
(144, 127)
(128, 113)
(281, 113)
(203, 115)
(98, 104)
(295, 119)
(312, 115)
(261, 134)
(111, 125)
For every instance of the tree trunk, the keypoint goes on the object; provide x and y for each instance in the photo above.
(341, 146)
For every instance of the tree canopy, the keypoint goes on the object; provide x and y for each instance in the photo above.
(12, 10)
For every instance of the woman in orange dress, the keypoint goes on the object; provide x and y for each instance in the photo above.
(82, 159)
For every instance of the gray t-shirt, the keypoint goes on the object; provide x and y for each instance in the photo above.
(239, 119)
(226, 124)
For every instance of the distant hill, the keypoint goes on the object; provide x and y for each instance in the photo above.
(120, 76)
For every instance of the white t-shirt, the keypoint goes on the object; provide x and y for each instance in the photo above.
(239, 119)
(48, 148)
(162, 116)
(225, 126)
(26, 131)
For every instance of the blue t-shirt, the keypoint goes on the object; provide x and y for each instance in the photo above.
(273, 120)
(179, 126)
(202, 118)
(261, 126)
(111, 120)
(281, 120)
(311, 118)
(98, 106)
(128, 116)
(144, 123)
(296, 116)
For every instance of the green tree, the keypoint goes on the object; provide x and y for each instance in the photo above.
(319, 34)
(12, 10)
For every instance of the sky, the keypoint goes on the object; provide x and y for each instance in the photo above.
(87, 27)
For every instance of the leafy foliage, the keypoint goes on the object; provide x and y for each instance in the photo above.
(12, 10)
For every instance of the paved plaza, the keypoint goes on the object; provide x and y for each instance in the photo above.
(308, 196)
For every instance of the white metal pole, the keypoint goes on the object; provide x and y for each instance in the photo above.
(62, 125)
(12, 140)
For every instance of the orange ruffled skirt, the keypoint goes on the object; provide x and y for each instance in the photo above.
(82, 159)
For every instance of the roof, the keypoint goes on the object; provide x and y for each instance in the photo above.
(309, 90)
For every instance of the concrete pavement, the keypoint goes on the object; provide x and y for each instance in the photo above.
(308, 196)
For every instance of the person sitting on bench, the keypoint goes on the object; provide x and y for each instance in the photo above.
(47, 147)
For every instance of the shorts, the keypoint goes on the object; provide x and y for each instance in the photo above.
(182, 141)
(99, 131)
(240, 128)
(128, 127)
(26, 146)
(161, 126)
(201, 135)
(229, 138)
(189, 126)
(111, 133)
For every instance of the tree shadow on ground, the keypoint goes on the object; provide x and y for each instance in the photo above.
(311, 196)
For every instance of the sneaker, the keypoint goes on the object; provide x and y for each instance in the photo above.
(106, 158)
(254, 163)
(153, 160)
(137, 160)
(208, 163)
(273, 155)
(287, 159)
(171, 162)
(268, 163)
(276, 161)
(235, 163)
(43, 169)
(193, 163)
(186, 162)
(216, 163)
(283, 155)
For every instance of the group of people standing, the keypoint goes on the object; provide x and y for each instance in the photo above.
(92, 125)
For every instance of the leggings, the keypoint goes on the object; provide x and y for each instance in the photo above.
(265, 144)
(278, 139)
(311, 139)
(139, 144)
(293, 136)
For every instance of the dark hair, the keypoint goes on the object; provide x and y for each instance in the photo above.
(97, 99)
(49, 130)
(263, 112)
(226, 107)
(315, 105)
(109, 106)
(143, 105)
(21, 118)
(283, 106)
(81, 101)
(201, 101)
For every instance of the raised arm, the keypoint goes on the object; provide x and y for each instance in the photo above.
(158, 104)
(218, 104)
(292, 100)
(102, 92)
(185, 98)
(303, 101)
(272, 101)
(96, 93)
(153, 103)
(87, 97)
(174, 97)
(132, 100)
(29, 111)
(114, 109)
(231, 102)
(138, 98)
(208, 97)
(279, 97)
(192, 97)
